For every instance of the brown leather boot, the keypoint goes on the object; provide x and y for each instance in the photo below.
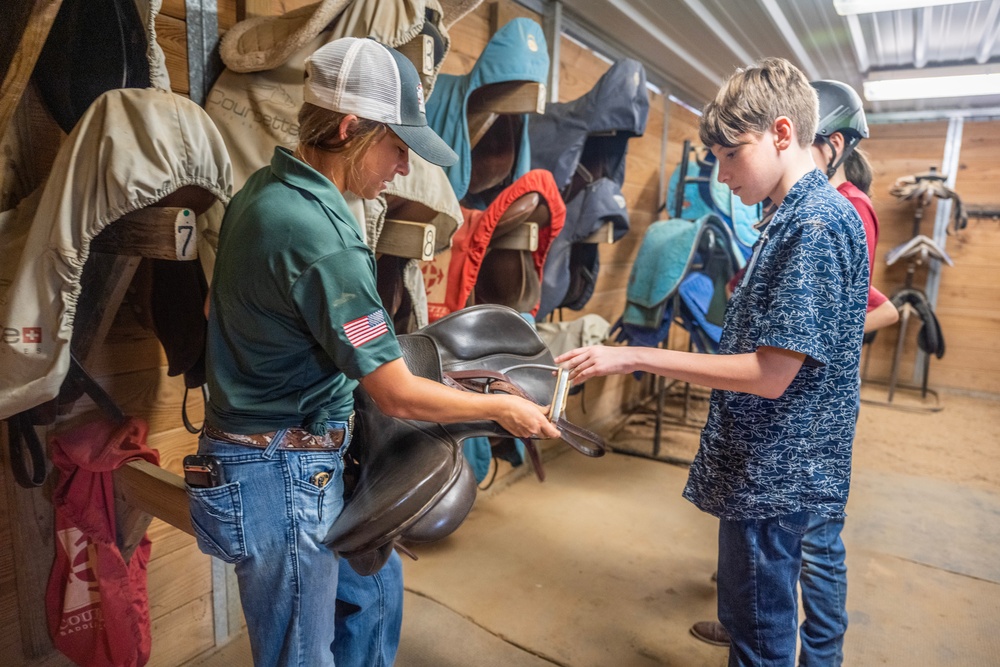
(711, 632)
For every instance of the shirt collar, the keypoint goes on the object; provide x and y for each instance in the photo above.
(810, 181)
(296, 173)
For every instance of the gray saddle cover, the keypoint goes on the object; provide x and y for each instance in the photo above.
(412, 482)
(584, 144)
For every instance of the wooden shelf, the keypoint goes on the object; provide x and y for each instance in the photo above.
(510, 97)
(420, 52)
(158, 232)
(606, 234)
(522, 237)
(143, 491)
(402, 238)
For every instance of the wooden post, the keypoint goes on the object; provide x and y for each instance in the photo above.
(32, 40)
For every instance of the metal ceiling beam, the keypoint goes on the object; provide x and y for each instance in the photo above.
(921, 36)
(643, 22)
(728, 40)
(878, 47)
(785, 28)
(989, 34)
(858, 42)
(578, 29)
(881, 118)
(552, 24)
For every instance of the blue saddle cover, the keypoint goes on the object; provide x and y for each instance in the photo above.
(584, 144)
(707, 195)
(516, 52)
(571, 267)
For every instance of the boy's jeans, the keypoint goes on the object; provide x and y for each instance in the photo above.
(824, 594)
(759, 563)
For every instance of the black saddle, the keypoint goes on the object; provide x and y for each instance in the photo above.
(412, 482)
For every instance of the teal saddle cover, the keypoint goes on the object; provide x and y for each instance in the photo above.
(670, 250)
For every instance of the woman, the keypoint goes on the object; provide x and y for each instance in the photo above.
(295, 323)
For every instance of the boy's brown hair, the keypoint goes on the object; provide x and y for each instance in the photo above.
(754, 97)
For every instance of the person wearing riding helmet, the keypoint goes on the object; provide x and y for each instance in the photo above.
(295, 324)
(842, 126)
(823, 579)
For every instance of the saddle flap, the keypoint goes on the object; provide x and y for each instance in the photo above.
(421, 355)
(406, 468)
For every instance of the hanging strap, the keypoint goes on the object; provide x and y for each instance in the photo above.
(22, 436)
(191, 428)
(25, 444)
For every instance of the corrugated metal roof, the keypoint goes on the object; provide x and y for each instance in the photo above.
(691, 46)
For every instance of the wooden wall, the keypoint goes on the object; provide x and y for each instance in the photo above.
(133, 367)
(968, 305)
(579, 70)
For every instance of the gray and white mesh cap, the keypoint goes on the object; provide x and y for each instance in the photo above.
(362, 77)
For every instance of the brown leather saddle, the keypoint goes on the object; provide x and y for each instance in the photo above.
(410, 481)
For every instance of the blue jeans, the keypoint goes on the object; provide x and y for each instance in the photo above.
(759, 562)
(824, 594)
(369, 615)
(270, 520)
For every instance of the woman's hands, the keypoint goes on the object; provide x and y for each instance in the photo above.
(523, 418)
(584, 363)
(399, 393)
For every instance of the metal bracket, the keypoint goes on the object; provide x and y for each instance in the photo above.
(204, 63)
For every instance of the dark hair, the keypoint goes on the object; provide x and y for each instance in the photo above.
(858, 170)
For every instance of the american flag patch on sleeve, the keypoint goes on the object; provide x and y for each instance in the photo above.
(366, 328)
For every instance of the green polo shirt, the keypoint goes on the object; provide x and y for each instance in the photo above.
(295, 319)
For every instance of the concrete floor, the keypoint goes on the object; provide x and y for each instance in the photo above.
(605, 563)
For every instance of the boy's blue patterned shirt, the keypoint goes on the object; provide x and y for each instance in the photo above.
(805, 289)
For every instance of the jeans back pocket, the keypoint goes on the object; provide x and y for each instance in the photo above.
(217, 518)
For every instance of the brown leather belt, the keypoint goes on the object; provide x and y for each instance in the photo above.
(294, 438)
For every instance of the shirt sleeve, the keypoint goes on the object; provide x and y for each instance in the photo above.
(807, 291)
(875, 299)
(337, 299)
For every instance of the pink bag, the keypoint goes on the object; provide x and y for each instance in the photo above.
(96, 604)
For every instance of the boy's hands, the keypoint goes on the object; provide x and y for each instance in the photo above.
(584, 363)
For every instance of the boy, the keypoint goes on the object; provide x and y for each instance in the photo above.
(776, 448)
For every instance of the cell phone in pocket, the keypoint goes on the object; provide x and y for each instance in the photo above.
(202, 471)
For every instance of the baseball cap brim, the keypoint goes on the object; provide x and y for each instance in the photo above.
(426, 143)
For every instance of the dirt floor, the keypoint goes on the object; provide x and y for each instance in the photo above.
(960, 442)
(605, 564)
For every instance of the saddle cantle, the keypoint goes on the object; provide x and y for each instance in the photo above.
(412, 481)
